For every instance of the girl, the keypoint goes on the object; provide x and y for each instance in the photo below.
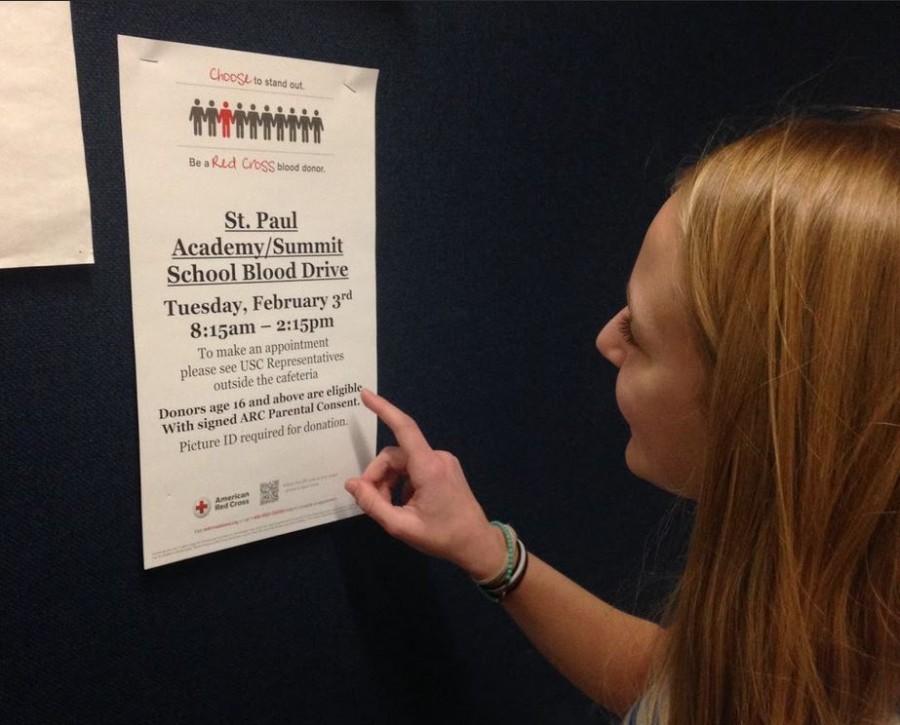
(759, 372)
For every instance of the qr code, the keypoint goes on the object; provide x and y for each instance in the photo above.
(268, 492)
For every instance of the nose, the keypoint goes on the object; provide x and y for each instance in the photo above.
(610, 343)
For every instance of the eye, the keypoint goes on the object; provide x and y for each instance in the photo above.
(625, 329)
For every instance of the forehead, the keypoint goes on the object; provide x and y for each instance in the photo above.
(655, 279)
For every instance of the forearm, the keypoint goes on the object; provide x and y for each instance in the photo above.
(603, 651)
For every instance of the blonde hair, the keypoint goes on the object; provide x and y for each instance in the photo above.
(787, 611)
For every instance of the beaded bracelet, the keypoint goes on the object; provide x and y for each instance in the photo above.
(499, 593)
(497, 587)
(509, 535)
(519, 574)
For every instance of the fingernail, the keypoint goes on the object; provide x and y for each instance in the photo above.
(350, 485)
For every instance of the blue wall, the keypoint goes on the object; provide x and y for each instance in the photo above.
(522, 150)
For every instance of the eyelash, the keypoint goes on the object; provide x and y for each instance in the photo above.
(625, 329)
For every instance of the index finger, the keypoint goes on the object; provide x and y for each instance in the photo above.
(403, 426)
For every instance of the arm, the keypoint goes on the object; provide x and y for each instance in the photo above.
(604, 652)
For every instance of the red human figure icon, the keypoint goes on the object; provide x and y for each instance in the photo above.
(225, 117)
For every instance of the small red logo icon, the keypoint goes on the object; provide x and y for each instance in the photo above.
(201, 508)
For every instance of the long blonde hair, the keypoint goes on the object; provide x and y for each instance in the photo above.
(787, 611)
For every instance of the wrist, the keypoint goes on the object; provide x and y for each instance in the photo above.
(489, 554)
(497, 588)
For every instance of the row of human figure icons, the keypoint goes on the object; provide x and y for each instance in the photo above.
(223, 118)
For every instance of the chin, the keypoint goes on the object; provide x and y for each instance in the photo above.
(638, 465)
(634, 461)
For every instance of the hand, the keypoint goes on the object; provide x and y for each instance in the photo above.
(440, 515)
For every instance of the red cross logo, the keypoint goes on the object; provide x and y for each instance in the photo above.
(201, 508)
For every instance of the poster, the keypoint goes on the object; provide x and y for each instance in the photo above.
(251, 211)
(44, 194)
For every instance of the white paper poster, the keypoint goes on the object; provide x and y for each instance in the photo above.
(251, 211)
(44, 200)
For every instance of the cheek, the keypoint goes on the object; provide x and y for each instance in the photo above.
(625, 395)
(642, 398)
(666, 445)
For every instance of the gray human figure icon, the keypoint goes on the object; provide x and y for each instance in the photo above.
(279, 122)
(292, 123)
(266, 119)
(196, 115)
(212, 116)
(304, 126)
(317, 127)
(240, 118)
(253, 120)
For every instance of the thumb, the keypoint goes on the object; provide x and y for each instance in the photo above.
(373, 503)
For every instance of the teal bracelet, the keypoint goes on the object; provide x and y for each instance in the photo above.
(499, 593)
(495, 588)
(510, 548)
(509, 536)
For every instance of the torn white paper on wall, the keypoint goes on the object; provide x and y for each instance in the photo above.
(44, 191)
